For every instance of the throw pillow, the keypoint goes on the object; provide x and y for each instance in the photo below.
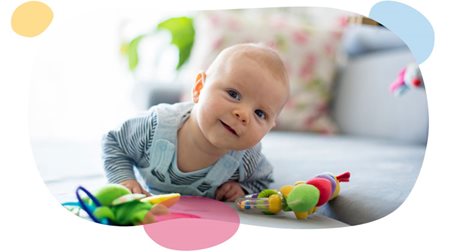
(308, 51)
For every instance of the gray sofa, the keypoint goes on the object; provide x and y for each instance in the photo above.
(382, 138)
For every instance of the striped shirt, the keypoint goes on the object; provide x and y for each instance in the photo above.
(129, 146)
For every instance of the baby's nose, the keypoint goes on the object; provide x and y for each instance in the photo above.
(241, 116)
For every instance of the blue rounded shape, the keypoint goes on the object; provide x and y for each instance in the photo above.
(408, 24)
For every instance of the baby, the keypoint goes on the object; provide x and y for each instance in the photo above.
(210, 146)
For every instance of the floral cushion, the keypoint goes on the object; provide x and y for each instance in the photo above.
(309, 54)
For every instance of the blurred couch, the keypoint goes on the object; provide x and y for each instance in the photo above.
(381, 138)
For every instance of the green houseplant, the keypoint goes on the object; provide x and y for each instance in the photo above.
(182, 33)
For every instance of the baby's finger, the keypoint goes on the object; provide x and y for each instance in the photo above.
(136, 189)
(234, 193)
(220, 193)
(230, 193)
(143, 191)
(233, 197)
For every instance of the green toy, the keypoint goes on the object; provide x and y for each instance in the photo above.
(114, 204)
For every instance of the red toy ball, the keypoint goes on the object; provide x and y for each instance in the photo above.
(324, 186)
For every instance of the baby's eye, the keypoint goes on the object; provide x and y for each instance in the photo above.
(261, 114)
(234, 94)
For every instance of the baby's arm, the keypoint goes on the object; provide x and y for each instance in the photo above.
(258, 172)
(260, 179)
(125, 148)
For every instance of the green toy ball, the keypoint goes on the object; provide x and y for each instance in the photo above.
(303, 197)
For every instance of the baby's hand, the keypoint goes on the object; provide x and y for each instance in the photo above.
(229, 191)
(134, 186)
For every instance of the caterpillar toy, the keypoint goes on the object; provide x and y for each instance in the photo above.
(303, 198)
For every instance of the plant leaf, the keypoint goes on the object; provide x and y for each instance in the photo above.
(183, 34)
(132, 51)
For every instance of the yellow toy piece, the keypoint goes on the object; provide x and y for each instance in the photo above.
(167, 200)
(338, 188)
(274, 203)
(285, 190)
(301, 215)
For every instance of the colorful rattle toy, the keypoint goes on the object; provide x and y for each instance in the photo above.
(303, 198)
(408, 78)
(114, 204)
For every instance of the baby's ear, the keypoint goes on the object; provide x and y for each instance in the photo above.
(198, 86)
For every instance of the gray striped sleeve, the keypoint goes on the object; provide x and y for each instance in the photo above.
(127, 147)
(257, 171)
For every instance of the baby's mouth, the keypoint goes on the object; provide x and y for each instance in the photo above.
(229, 128)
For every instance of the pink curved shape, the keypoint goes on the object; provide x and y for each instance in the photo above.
(194, 223)
(174, 215)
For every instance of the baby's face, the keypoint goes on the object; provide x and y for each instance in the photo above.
(239, 105)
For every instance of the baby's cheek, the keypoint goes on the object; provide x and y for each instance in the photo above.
(214, 106)
(260, 133)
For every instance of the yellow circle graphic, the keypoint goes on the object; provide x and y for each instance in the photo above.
(31, 18)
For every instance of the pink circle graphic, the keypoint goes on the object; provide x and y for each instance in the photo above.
(194, 223)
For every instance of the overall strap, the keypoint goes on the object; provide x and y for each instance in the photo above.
(224, 168)
(161, 161)
(169, 119)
